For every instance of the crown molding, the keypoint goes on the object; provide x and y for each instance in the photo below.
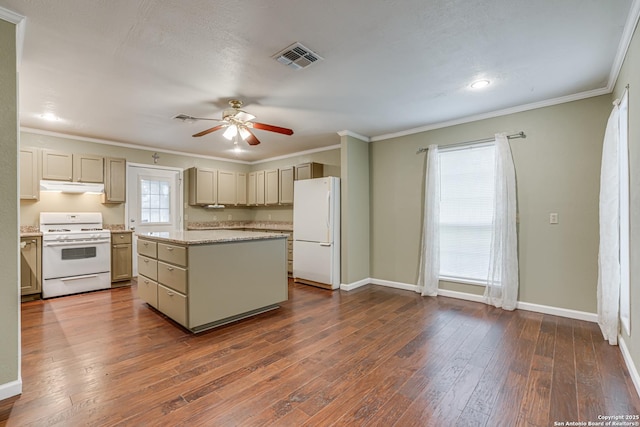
(354, 135)
(10, 16)
(299, 153)
(625, 41)
(497, 113)
(126, 145)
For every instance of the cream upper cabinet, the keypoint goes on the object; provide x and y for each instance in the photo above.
(226, 188)
(115, 185)
(241, 188)
(29, 185)
(88, 168)
(251, 189)
(57, 166)
(260, 181)
(309, 171)
(271, 184)
(285, 182)
(203, 186)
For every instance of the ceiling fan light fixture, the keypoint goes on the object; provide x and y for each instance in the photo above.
(230, 132)
(244, 134)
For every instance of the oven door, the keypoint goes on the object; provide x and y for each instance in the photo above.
(66, 259)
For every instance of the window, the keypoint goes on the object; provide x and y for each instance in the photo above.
(466, 212)
(155, 198)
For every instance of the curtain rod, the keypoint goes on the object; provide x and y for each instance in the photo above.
(520, 134)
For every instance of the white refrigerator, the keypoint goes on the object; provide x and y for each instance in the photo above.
(316, 232)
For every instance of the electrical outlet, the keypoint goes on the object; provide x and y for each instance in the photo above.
(553, 218)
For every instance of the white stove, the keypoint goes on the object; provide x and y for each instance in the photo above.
(76, 254)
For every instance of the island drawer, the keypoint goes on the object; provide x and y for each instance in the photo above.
(173, 254)
(173, 304)
(148, 267)
(147, 248)
(172, 276)
(148, 291)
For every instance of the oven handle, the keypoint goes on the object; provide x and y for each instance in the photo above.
(76, 243)
(88, 276)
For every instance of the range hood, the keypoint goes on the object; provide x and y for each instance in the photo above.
(71, 187)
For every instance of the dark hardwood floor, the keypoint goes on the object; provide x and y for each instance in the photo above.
(373, 356)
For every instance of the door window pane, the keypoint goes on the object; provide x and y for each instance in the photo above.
(155, 197)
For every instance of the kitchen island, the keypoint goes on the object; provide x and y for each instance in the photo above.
(205, 278)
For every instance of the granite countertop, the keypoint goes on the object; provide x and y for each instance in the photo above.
(203, 237)
(30, 233)
(230, 225)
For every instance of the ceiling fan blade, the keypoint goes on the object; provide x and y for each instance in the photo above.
(188, 118)
(251, 139)
(271, 128)
(208, 131)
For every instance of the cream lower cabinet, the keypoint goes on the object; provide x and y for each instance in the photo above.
(121, 266)
(30, 265)
(163, 278)
(207, 284)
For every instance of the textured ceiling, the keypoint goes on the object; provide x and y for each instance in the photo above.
(119, 70)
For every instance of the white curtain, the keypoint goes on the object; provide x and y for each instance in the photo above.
(608, 256)
(429, 270)
(502, 281)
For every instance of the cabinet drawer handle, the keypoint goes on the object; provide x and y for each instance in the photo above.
(170, 293)
(145, 243)
(170, 268)
(121, 236)
(146, 281)
(146, 261)
(169, 249)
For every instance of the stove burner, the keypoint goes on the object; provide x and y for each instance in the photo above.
(58, 230)
(91, 229)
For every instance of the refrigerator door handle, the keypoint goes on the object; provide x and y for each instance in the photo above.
(328, 209)
(325, 244)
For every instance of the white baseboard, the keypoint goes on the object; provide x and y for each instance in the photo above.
(354, 285)
(545, 309)
(631, 367)
(397, 285)
(10, 389)
(557, 311)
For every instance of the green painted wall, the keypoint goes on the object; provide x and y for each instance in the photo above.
(9, 244)
(557, 169)
(355, 225)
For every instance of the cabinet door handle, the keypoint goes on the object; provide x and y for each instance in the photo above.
(121, 236)
(146, 261)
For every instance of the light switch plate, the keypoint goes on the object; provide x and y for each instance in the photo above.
(553, 218)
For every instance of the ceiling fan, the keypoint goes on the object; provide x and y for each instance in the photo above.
(238, 123)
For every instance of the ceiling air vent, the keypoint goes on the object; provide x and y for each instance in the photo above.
(297, 56)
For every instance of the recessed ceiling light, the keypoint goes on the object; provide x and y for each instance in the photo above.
(479, 84)
(49, 117)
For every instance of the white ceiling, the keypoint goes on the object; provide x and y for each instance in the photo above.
(119, 70)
